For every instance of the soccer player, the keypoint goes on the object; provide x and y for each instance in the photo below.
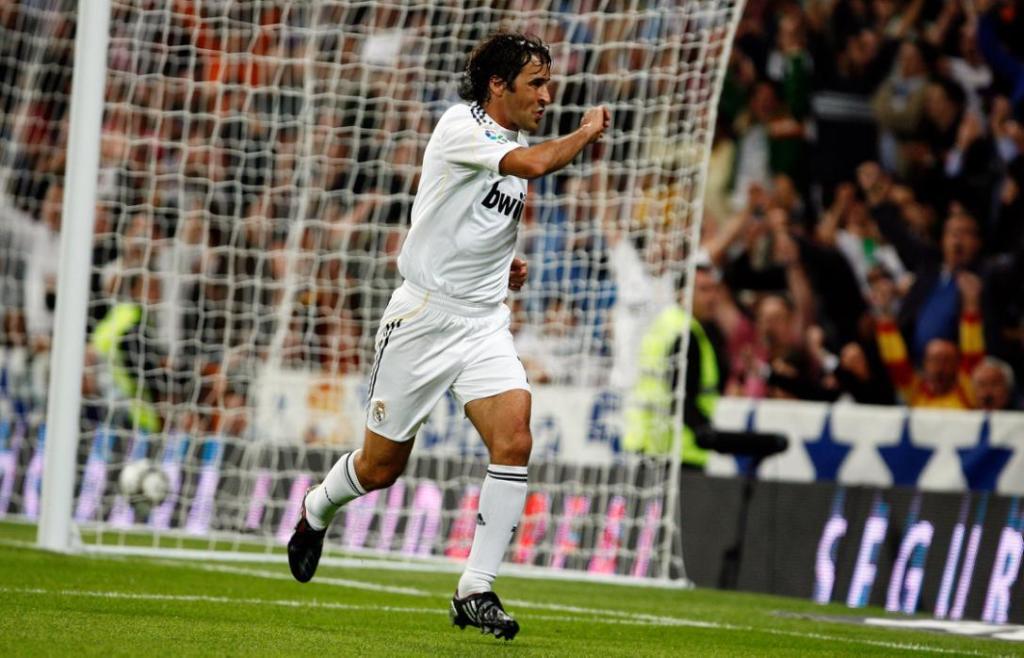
(447, 327)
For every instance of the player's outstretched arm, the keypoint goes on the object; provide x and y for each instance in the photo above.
(554, 154)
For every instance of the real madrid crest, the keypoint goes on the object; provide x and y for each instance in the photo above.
(378, 411)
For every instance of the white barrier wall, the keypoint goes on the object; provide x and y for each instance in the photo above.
(933, 450)
(846, 443)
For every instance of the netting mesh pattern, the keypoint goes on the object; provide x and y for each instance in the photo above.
(258, 163)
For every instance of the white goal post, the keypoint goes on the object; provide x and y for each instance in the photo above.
(250, 166)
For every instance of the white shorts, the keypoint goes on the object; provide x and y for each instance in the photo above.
(427, 344)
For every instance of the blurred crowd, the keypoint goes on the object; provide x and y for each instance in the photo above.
(863, 204)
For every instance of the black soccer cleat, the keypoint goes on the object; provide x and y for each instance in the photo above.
(305, 546)
(483, 610)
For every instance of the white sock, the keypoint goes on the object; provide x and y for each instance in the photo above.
(502, 498)
(339, 487)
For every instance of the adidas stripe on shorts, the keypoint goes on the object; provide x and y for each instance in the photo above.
(427, 344)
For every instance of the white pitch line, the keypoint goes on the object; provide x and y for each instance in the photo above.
(693, 623)
(371, 586)
(902, 646)
(18, 543)
(331, 605)
(596, 614)
(274, 575)
(638, 620)
(638, 616)
(600, 615)
(287, 603)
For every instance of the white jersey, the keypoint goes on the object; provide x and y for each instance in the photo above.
(466, 215)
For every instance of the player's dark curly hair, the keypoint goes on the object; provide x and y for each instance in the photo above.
(503, 54)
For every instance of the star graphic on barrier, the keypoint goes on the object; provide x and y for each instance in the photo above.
(905, 460)
(826, 455)
(981, 463)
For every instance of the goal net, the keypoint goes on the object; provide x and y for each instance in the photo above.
(258, 163)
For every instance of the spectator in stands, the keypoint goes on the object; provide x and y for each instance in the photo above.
(643, 291)
(765, 260)
(972, 168)
(550, 352)
(219, 389)
(925, 157)
(845, 81)
(942, 272)
(966, 65)
(1004, 63)
(42, 264)
(776, 346)
(942, 383)
(820, 268)
(860, 375)
(1006, 231)
(137, 250)
(993, 386)
(769, 141)
(857, 370)
(848, 226)
(944, 378)
(898, 104)
(1004, 309)
(893, 20)
(790, 65)
(20, 387)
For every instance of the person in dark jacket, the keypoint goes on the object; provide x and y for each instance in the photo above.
(931, 308)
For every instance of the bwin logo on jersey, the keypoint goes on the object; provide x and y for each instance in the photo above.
(506, 205)
(495, 137)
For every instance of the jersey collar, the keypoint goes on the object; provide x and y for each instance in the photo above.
(485, 119)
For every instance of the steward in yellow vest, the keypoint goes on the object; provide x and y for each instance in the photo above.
(120, 338)
(651, 411)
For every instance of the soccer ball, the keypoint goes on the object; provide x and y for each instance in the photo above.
(142, 480)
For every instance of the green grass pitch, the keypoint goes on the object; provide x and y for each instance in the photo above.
(88, 605)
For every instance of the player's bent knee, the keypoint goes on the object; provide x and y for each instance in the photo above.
(381, 461)
(380, 476)
(514, 450)
(375, 475)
